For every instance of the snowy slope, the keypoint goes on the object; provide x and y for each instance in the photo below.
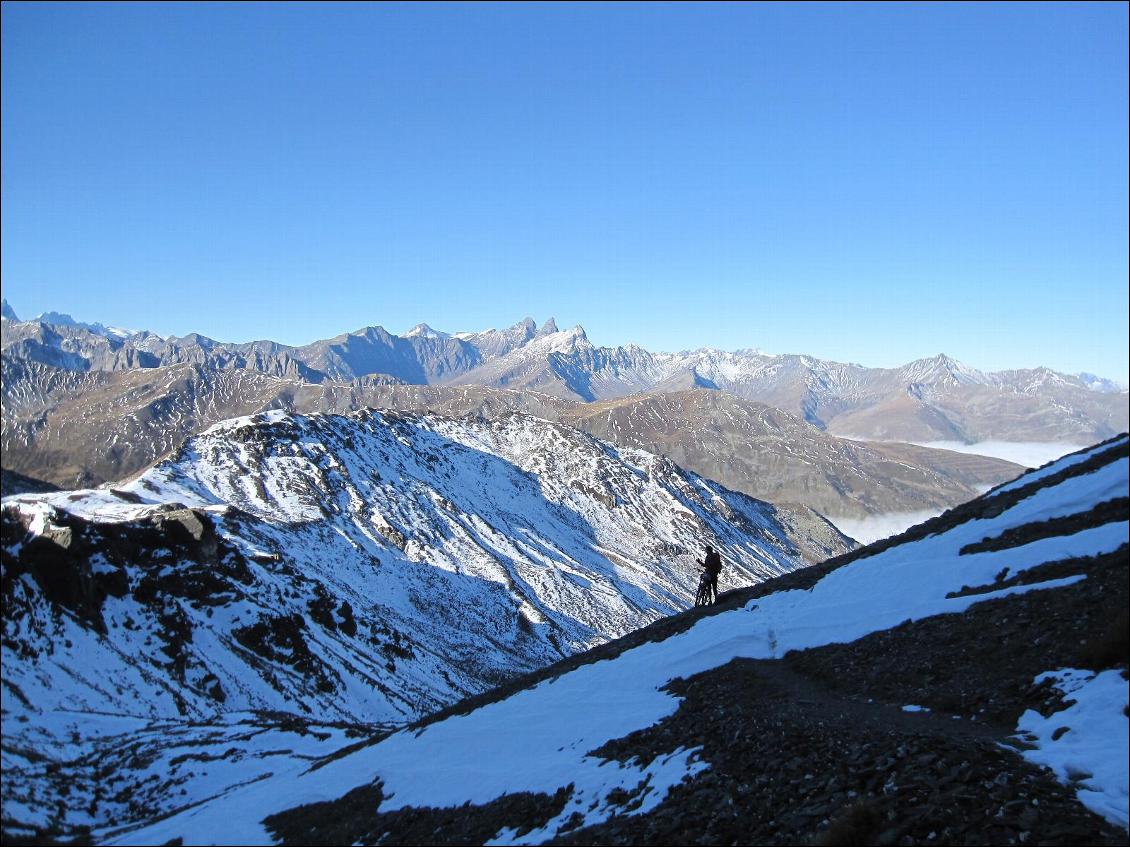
(81, 428)
(367, 568)
(517, 533)
(542, 739)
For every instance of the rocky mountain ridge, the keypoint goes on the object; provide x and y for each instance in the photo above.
(84, 428)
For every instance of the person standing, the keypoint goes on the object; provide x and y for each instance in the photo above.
(712, 564)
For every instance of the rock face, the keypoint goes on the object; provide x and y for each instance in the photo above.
(368, 568)
(908, 692)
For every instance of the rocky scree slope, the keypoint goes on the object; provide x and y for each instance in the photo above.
(365, 569)
(964, 683)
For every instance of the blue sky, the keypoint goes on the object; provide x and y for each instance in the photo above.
(863, 183)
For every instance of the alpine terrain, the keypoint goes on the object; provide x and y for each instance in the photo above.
(286, 579)
(965, 682)
(85, 404)
(779, 457)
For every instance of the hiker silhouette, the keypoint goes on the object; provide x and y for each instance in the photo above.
(712, 564)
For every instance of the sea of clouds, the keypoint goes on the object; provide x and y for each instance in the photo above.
(876, 527)
(1030, 454)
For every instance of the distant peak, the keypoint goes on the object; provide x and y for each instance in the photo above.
(942, 367)
(1100, 384)
(61, 319)
(424, 331)
(7, 311)
(549, 327)
(577, 333)
(939, 361)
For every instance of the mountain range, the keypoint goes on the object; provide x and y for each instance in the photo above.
(84, 404)
(84, 428)
(937, 399)
(364, 590)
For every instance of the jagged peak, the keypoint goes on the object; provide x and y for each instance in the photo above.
(6, 311)
(56, 318)
(63, 319)
(570, 338)
(549, 327)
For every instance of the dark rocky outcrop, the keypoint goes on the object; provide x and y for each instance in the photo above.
(78, 563)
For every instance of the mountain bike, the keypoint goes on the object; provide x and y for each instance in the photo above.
(704, 596)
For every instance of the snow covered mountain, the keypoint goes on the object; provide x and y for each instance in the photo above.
(82, 428)
(366, 569)
(80, 408)
(977, 663)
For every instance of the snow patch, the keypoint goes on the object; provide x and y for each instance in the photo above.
(1029, 478)
(1085, 744)
(541, 738)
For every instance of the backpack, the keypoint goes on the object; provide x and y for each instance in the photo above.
(713, 562)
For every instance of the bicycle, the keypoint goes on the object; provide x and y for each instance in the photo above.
(705, 594)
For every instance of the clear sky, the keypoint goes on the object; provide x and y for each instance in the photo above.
(869, 183)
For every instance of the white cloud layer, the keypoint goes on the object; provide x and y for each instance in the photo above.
(876, 527)
(1030, 454)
